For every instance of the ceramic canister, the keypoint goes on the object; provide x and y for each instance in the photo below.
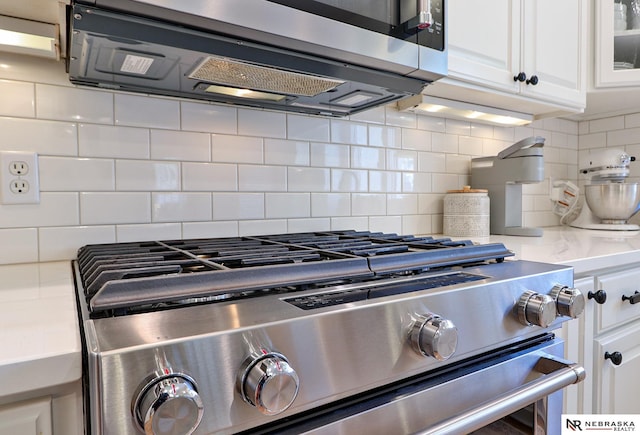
(466, 213)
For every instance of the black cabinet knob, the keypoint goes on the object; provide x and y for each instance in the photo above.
(600, 296)
(615, 357)
(633, 299)
(533, 80)
(521, 77)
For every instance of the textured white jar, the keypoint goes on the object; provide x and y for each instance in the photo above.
(466, 213)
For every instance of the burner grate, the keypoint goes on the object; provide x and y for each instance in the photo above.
(125, 275)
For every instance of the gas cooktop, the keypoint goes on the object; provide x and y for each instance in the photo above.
(124, 277)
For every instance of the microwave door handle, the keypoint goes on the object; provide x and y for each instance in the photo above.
(424, 19)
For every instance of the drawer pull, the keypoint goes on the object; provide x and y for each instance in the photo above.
(615, 357)
(600, 296)
(632, 299)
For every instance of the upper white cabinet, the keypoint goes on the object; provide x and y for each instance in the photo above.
(617, 36)
(525, 55)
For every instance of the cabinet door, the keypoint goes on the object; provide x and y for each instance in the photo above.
(618, 384)
(617, 62)
(484, 42)
(26, 418)
(616, 311)
(554, 50)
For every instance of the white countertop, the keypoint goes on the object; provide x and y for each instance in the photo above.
(40, 339)
(585, 250)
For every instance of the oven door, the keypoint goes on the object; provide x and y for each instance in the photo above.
(419, 21)
(517, 388)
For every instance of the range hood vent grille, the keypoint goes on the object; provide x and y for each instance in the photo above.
(247, 76)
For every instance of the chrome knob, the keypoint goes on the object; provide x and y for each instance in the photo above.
(569, 301)
(269, 383)
(169, 405)
(431, 335)
(536, 309)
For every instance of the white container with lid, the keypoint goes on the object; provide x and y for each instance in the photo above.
(466, 213)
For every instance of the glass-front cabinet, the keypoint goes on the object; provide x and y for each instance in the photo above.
(617, 43)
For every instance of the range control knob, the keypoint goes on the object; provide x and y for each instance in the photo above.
(536, 309)
(431, 335)
(569, 301)
(169, 405)
(268, 382)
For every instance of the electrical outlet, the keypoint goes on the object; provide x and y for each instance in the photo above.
(19, 182)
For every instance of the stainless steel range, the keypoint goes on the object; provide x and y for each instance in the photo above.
(327, 332)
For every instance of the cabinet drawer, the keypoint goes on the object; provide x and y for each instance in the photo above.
(26, 418)
(615, 310)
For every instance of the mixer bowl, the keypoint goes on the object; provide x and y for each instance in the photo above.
(614, 203)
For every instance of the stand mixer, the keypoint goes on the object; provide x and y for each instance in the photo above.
(609, 201)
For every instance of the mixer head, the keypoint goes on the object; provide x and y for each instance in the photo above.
(608, 164)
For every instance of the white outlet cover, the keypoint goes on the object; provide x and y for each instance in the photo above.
(19, 168)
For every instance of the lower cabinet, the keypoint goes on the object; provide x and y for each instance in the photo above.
(605, 340)
(32, 417)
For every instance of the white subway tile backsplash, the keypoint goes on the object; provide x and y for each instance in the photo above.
(74, 104)
(629, 136)
(254, 228)
(196, 230)
(349, 180)
(212, 118)
(18, 99)
(418, 182)
(237, 149)
(402, 160)
(607, 124)
(330, 204)
(367, 158)
(308, 179)
(349, 223)
(73, 174)
(301, 127)
(209, 177)
(124, 167)
(386, 224)
(55, 209)
(349, 132)
(432, 123)
(262, 123)
(20, 245)
(139, 175)
(102, 208)
(238, 206)
(368, 204)
(287, 205)
(384, 136)
(180, 207)
(385, 181)
(140, 232)
(419, 140)
(431, 162)
(180, 145)
(44, 137)
(151, 112)
(329, 155)
(308, 225)
(286, 152)
(262, 178)
(402, 204)
(62, 243)
(116, 142)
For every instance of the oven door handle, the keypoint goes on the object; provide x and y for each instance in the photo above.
(558, 374)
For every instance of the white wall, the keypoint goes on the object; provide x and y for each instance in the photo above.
(123, 167)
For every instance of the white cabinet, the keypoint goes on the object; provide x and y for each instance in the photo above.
(606, 341)
(490, 43)
(617, 62)
(27, 418)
